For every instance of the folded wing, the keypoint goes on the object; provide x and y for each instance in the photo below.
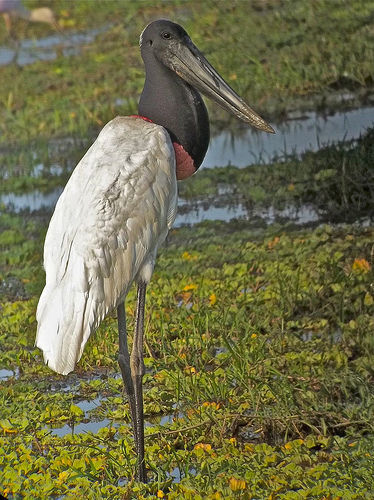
(113, 214)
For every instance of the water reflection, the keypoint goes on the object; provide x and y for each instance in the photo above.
(199, 213)
(80, 428)
(6, 374)
(306, 132)
(302, 214)
(29, 51)
(188, 213)
(32, 202)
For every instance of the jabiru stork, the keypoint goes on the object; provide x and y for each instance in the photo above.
(121, 201)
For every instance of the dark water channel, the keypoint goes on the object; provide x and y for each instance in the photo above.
(241, 148)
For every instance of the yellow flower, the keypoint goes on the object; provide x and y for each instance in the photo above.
(62, 476)
(213, 404)
(272, 243)
(160, 494)
(361, 265)
(254, 335)
(187, 288)
(203, 446)
(191, 370)
(293, 444)
(237, 484)
(188, 256)
(212, 299)
(291, 187)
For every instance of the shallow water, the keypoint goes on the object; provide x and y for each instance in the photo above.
(303, 214)
(177, 474)
(306, 132)
(93, 427)
(29, 51)
(239, 147)
(32, 201)
(198, 213)
(189, 213)
(164, 419)
(303, 132)
(6, 374)
(88, 405)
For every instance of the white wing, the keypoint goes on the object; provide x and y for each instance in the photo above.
(110, 219)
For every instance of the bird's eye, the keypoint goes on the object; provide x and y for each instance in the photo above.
(150, 42)
(166, 35)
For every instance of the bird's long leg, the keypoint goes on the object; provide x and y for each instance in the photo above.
(137, 372)
(124, 363)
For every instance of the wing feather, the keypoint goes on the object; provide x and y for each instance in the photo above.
(110, 219)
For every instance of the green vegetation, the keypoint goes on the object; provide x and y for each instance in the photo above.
(259, 340)
(272, 52)
(260, 346)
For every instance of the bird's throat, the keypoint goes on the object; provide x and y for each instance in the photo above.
(185, 165)
(171, 102)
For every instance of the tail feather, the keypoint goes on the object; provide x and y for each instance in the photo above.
(62, 329)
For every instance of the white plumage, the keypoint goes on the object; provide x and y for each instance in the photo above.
(108, 223)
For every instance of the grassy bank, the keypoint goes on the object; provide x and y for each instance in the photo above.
(272, 52)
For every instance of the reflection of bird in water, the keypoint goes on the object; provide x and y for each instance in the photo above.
(14, 8)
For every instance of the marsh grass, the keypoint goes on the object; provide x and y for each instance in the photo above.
(272, 53)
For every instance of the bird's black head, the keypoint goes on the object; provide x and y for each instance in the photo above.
(169, 44)
(167, 98)
(176, 71)
(161, 39)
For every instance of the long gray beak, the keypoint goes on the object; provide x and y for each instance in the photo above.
(190, 64)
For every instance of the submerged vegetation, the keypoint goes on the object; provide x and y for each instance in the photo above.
(259, 339)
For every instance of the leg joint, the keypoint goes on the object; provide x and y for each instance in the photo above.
(136, 364)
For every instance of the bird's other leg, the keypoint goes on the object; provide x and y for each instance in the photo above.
(137, 372)
(124, 363)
